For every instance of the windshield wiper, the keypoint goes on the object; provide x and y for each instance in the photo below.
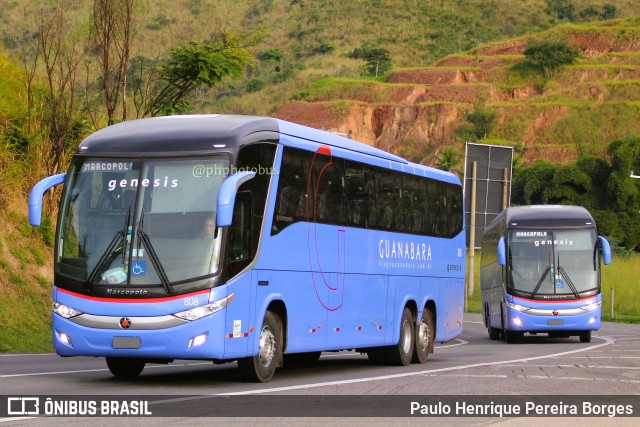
(537, 288)
(112, 249)
(564, 274)
(153, 256)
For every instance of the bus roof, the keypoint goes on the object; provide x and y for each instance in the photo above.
(175, 134)
(547, 216)
(206, 133)
(211, 133)
(332, 139)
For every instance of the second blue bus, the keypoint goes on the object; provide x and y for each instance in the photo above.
(540, 272)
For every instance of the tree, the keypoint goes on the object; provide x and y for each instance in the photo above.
(609, 11)
(61, 56)
(378, 60)
(625, 158)
(550, 55)
(483, 120)
(545, 183)
(112, 33)
(448, 159)
(563, 9)
(190, 67)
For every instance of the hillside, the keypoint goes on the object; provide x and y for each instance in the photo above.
(578, 111)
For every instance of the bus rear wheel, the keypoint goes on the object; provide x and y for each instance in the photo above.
(424, 338)
(125, 367)
(262, 366)
(494, 333)
(585, 336)
(401, 353)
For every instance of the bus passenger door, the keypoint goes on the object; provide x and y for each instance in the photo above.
(240, 251)
(238, 321)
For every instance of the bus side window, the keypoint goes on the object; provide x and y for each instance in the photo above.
(240, 249)
(291, 199)
(389, 201)
(360, 195)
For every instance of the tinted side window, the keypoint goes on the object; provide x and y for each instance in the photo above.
(325, 189)
(360, 195)
(258, 158)
(389, 191)
(291, 200)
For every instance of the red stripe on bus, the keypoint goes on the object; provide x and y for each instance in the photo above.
(132, 301)
(555, 301)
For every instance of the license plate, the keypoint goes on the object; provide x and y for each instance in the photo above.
(125, 342)
(555, 322)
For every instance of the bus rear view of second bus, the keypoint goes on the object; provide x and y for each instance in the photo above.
(541, 272)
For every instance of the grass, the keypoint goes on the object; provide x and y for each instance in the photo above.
(25, 310)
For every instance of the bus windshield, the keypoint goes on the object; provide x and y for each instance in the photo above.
(140, 222)
(545, 263)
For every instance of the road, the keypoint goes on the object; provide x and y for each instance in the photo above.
(471, 365)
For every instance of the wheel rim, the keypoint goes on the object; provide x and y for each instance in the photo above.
(267, 346)
(406, 337)
(423, 337)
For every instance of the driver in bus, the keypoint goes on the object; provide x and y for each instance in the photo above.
(209, 229)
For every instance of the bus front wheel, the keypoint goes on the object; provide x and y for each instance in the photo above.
(494, 333)
(122, 367)
(424, 338)
(401, 353)
(585, 336)
(262, 366)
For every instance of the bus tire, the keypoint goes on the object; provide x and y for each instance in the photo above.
(376, 356)
(125, 367)
(585, 336)
(262, 366)
(424, 332)
(494, 333)
(401, 353)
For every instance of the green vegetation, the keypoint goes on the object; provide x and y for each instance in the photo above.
(605, 189)
(550, 55)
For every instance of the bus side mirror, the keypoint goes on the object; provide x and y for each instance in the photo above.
(37, 193)
(227, 196)
(502, 252)
(606, 250)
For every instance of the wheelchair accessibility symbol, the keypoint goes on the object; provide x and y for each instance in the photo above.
(139, 268)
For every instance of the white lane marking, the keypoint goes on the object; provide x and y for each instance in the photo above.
(26, 354)
(608, 341)
(32, 374)
(462, 342)
(607, 357)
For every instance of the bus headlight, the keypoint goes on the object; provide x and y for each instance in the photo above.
(517, 307)
(204, 310)
(592, 306)
(64, 310)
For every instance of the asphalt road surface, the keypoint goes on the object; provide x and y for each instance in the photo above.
(470, 365)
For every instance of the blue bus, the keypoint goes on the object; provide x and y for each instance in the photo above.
(250, 239)
(540, 272)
